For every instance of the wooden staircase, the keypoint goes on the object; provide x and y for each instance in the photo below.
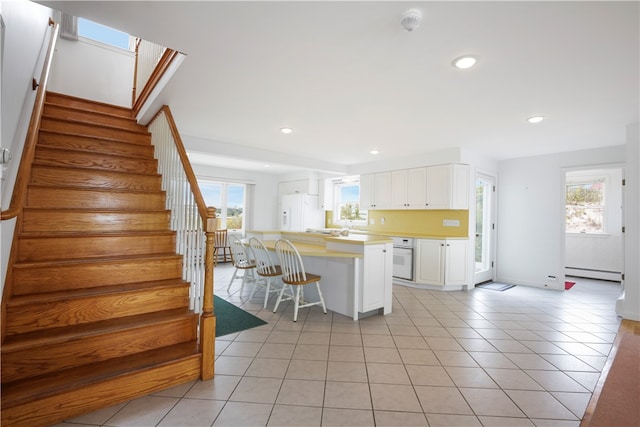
(94, 311)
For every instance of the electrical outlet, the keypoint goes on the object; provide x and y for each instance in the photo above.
(382, 220)
(451, 223)
(372, 221)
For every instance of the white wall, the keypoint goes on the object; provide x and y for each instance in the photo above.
(530, 234)
(629, 306)
(93, 70)
(25, 41)
(265, 203)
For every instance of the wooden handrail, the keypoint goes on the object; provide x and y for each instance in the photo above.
(191, 176)
(158, 72)
(29, 149)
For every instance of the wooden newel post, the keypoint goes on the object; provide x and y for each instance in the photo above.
(208, 318)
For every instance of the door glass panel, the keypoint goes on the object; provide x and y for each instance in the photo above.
(484, 191)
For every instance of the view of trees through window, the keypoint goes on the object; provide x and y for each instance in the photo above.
(585, 206)
(229, 201)
(348, 204)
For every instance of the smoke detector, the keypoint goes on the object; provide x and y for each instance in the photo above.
(411, 19)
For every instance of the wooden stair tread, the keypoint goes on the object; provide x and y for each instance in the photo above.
(29, 299)
(97, 144)
(36, 388)
(83, 235)
(92, 152)
(38, 339)
(95, 189)
(64, 99)
(97, 260)
(96, 125)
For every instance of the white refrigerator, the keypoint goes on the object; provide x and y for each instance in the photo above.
(298, 212)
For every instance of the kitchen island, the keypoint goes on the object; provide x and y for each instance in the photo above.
(356, 269)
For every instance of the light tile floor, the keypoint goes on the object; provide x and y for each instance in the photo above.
(522, 357)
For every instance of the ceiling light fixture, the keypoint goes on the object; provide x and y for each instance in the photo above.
(465, 62)
(535, 119)
(286, 130)
(411, 19)
(374, 152)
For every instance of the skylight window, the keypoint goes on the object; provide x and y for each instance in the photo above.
(102, 34)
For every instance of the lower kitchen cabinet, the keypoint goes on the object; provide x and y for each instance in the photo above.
(441, 261)
(376, 281)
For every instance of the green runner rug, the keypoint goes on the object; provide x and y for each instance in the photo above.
(230, 319)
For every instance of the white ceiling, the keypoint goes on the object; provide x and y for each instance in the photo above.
(347, 78)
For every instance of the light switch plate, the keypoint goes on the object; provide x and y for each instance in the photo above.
(451, 223)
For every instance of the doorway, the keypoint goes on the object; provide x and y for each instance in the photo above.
(485, 228)
(594, 237)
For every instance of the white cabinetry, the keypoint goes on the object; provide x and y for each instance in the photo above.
(408, 188)
(325, 194)
(375, 277)
(441, 262)
(448, 186)
(375, 190)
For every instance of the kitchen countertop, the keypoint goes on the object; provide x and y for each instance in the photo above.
(354, 238)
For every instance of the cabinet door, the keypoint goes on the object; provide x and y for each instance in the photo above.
(367, 191)
(456, 262)
(438, 187)
(373, 278)
(399, 189)
(382, 187)
(460, 186)
(325, 194)
(417, 188)
(429, 260)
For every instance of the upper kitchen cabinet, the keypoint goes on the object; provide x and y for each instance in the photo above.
(326, 194)
(375, 191)
(448, 186)
(409, 188)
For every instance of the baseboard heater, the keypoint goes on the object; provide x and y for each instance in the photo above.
(590, 273)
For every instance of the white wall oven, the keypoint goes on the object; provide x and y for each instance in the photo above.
(403, 258)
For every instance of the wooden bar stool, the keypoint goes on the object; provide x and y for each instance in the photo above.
(241, 261)
(293, 273)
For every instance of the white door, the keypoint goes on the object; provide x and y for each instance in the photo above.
(485, 228)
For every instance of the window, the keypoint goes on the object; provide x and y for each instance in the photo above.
(346, 210)
(103, 34)
(585, 205)
(229, 201)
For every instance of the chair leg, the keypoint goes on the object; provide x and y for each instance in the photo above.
(296, 303)
(279, 298)
(324, 308)
(232, 279)
(266, 292)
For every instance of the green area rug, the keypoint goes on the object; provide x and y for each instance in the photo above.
(231, 319)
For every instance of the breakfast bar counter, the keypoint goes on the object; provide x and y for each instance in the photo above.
(356, 269)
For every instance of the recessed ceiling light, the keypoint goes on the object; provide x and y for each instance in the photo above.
(286, 130)
(267, 166)
(535, 119)
(465, 62)
(374, 152)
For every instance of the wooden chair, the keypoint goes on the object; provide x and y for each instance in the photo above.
(265, 268)
(293, 273)
(241, 261)
(221, 243)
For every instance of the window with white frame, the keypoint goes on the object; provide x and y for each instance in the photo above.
(103, 34)
(229, 199)
(585, 204)
(346, 207)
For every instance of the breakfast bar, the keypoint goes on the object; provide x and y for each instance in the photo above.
(356, 269)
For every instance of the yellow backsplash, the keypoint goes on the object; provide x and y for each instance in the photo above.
(418, 222)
